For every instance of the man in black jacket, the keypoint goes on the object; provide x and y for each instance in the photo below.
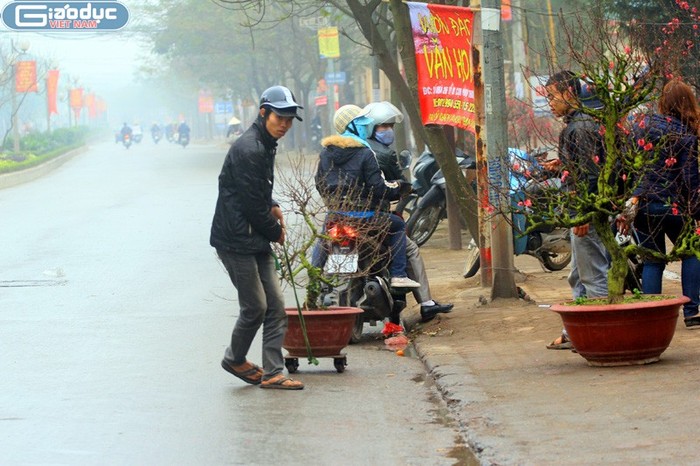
(581, 153)
(246, 220)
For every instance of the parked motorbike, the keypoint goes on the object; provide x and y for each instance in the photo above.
(427, 205)
(360, 277)
(551, 246)
(126, 140)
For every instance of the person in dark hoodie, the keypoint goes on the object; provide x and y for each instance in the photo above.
(348, 173)
(246, 221)
(667, 195)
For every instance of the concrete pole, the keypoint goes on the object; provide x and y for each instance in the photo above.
(519, 54)
(497, 151)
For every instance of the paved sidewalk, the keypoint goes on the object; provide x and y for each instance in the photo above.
(519, 403)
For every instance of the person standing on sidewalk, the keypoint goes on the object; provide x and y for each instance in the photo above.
(246, 220)
(381, 137)
(674, 177)
(581, 151)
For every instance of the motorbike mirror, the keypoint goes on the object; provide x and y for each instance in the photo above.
(405, 159)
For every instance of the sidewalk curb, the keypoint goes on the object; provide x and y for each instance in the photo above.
(11, 179)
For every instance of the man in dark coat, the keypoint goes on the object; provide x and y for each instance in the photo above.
(246, 220)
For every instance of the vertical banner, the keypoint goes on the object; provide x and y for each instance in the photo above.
(506, 11)
(52, 91)
(206, 102)
(442, 36)
(328, 42)
(90, 103)
(25, 76)
(76, 101)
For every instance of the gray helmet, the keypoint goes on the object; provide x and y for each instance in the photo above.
(280, 100)
(382, 113)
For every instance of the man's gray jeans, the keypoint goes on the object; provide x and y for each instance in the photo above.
(416, 271)
(590, 262)
(261, 303)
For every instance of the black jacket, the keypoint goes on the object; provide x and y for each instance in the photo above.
(388, 160)
(242, 221)
(581, 150)
(674, 176)
(348, 176)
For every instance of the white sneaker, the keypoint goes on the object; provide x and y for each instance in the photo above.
(403, 282)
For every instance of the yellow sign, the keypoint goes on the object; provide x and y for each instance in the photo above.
(328, 44)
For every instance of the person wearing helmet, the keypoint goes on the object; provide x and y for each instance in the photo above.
(246, 220)
(348, 171)
(384, 116)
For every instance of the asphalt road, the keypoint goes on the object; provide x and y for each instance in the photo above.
(114, 315)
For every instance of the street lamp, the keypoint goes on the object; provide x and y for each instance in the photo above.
(23, 47)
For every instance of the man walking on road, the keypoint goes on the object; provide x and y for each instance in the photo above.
(246, 220)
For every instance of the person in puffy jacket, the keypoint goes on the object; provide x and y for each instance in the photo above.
(349, 179)
(384, 116)
(667, 195)
(246, 221)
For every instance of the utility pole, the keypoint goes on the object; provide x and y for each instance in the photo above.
(519, 54)
(497, 151)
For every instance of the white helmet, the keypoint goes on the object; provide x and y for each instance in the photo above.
(382, 113)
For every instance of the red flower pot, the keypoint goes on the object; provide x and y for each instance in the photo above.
(328, 330)
(621, 334)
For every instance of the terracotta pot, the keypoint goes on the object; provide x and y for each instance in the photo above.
(621, 334)
(329, 330)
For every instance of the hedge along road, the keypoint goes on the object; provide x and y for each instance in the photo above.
(114, 315)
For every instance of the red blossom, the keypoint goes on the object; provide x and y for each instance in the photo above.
(697, 232)
(674, 209)
(564, 175)
(671, 161)
(648, 146)
(596, 159)
(528, 203)
(642, 124)
(641, 142)
(624, 177)
(601, 130)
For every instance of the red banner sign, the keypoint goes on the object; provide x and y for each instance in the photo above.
(76, 98)
(206, 102)
(442, 36)
(52, 90)
(25, 76)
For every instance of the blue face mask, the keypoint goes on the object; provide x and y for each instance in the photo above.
(386, 137)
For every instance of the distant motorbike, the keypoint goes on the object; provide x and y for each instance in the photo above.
(183, 139)
(126, 140)
(156, 135)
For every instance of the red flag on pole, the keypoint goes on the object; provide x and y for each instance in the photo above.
(52, 91)
(25, 76)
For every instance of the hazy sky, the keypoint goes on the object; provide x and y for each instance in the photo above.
(101, 61)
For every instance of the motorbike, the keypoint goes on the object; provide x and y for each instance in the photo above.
(359, 278)
(356, 261)
(156, 135)
(550, 246)
(126, 140)
(427, 205)
(183, 139)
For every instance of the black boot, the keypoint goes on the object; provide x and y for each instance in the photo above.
(428, 313)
